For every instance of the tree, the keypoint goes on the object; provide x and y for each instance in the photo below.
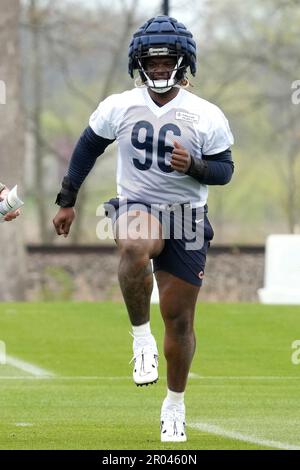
(12, 273)
(248, 63)
(69, 41)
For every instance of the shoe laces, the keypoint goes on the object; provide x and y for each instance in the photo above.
(174, 415)
(143, 348)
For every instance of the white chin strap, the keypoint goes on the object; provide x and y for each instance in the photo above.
(162, 86)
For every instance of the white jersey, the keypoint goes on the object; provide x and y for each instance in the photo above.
(145, 134)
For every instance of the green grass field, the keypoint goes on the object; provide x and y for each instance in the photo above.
(243, 392)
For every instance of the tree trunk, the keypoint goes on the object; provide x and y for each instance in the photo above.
(35, 21)
(291, 208)
(12, 272)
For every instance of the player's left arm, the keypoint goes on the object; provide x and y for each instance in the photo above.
(214, 169)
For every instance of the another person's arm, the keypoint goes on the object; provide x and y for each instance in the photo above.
(3, 193)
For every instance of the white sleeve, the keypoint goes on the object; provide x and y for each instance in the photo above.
(218, 137)
(101, 120)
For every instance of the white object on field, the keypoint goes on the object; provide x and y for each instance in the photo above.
(282, 270)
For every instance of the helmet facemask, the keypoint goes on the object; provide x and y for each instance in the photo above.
(162, 36)
(175, 75)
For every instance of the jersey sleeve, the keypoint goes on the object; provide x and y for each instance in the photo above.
(101, 120)
(218, 136)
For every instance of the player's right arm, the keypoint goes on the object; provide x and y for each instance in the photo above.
(87, 150)
(92, 143)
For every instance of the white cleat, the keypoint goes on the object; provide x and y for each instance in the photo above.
(172, 424)
(145, 361)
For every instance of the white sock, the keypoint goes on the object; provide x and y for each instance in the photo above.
(141, 330)
(174, 398)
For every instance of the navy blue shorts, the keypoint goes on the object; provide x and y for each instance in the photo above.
(186, 232)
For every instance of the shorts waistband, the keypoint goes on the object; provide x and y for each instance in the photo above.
(165, 206)
(173, 206)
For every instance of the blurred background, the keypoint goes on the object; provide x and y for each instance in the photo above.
(60, 58)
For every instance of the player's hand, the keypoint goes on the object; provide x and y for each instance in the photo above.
(63, 220)
(181, 159)
(10, 215)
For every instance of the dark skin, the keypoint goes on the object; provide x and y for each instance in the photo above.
(177, 297)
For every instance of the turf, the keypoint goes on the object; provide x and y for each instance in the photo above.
(243, 380)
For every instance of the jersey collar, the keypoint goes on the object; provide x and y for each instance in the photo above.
(161, 110)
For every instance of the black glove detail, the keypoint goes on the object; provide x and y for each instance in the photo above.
(67, 195)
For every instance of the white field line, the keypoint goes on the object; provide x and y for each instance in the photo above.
(243, 377)
(49, 375)
(23, 425)
(39, 373)
(32, 369)
(63, 377)
(219, 431)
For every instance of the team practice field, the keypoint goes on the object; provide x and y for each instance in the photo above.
(66, 383)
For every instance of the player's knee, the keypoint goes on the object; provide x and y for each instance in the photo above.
(135, 251)
(179, 324)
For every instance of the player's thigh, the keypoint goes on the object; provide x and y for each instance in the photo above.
(141, 230)
(177, 297)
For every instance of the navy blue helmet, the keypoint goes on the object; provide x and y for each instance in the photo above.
(162, 35)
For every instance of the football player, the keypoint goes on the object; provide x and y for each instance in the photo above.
(171, 146)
